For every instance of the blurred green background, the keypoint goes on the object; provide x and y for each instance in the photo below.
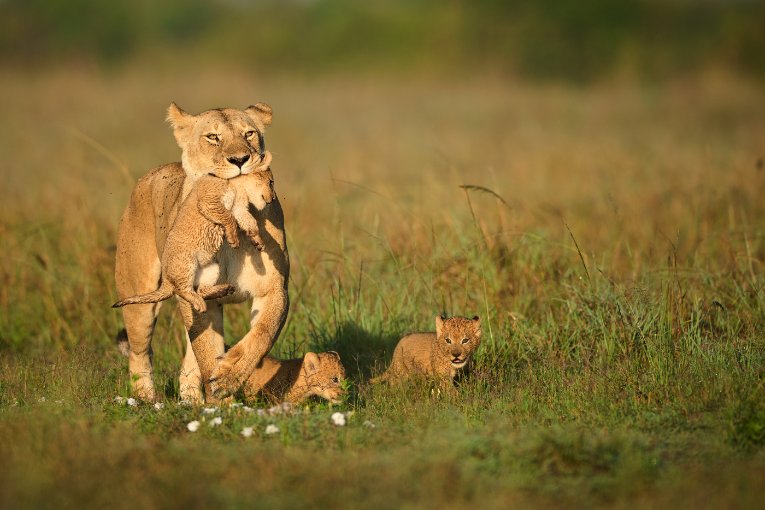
(570, 40)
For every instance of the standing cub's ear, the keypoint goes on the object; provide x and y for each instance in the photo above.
(477, 326)
(260, 112)
(311, 363)
(439, 325)
(182, 123)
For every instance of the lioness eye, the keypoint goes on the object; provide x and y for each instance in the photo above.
(335, 379)
(448, 340)
(465, 340)
(249, 134)
(212, 137)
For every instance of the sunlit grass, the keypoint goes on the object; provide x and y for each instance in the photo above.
(610, 238)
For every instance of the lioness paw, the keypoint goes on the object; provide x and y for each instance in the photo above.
(227, 377)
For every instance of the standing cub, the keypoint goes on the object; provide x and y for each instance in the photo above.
(436, 355)
(209, 213)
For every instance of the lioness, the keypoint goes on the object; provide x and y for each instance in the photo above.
(225, 143)
(212, 210)
(435, 355)
(292, 380)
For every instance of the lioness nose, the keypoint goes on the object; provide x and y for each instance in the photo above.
(239, 161)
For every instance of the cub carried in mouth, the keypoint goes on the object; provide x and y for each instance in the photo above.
(210, 212)
(438, 355)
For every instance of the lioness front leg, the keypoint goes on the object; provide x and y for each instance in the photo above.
(268, 314)
(205, 332)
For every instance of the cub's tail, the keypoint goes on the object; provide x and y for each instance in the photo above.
(380, 378)
(163, 292)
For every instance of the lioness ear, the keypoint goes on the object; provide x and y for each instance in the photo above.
(261, 112)
(334, 353)
(311, 363)
(181, 122)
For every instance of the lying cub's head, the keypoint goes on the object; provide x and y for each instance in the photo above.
(222, 142)
(457, 338)
(324, 375)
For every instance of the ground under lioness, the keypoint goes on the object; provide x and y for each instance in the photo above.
(209, 213)
(292, 380)
(436, 355)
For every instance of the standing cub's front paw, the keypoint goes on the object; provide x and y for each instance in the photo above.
(255, 239)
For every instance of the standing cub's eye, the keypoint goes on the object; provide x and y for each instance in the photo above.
(212, 137)
(465, 340)
(249, 134)
(448, 340)
(335, 380)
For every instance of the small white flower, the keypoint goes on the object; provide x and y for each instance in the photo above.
(193, 426)
(41, 399)
(272, 429)
(60, 401)
(209, 410)
(119, 399)
(246, 432)
(368, 424)
(338, 419)
(235, 404)
(132, 402)
(247, 409)
(261, 412)
(216, 421)
(158, 405)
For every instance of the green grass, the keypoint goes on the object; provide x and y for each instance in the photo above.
(612, 241)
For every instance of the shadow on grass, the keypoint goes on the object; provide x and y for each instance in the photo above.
(364, 353)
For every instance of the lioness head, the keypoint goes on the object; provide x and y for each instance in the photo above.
(457, 338)
(324, 375)
(222, 142)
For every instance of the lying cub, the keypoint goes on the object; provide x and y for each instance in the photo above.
(295, 380)
(292, 380)
(436, 355)
(211, 211)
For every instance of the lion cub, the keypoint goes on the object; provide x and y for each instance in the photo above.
(295, 380)
(435, 355)
(211, 211)
(292, 380)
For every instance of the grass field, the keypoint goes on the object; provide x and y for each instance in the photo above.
(611, 237)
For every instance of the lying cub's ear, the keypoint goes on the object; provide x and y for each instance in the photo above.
(182, 123)
(260, 112)
(334, 353)
(311, 363)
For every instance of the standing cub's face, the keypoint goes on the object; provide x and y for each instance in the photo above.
(457, 338)
(324, 375)
(223, 142)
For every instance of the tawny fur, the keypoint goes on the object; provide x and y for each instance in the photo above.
(292, 380)
(212, 211)
(438, 355)
(225, 143)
